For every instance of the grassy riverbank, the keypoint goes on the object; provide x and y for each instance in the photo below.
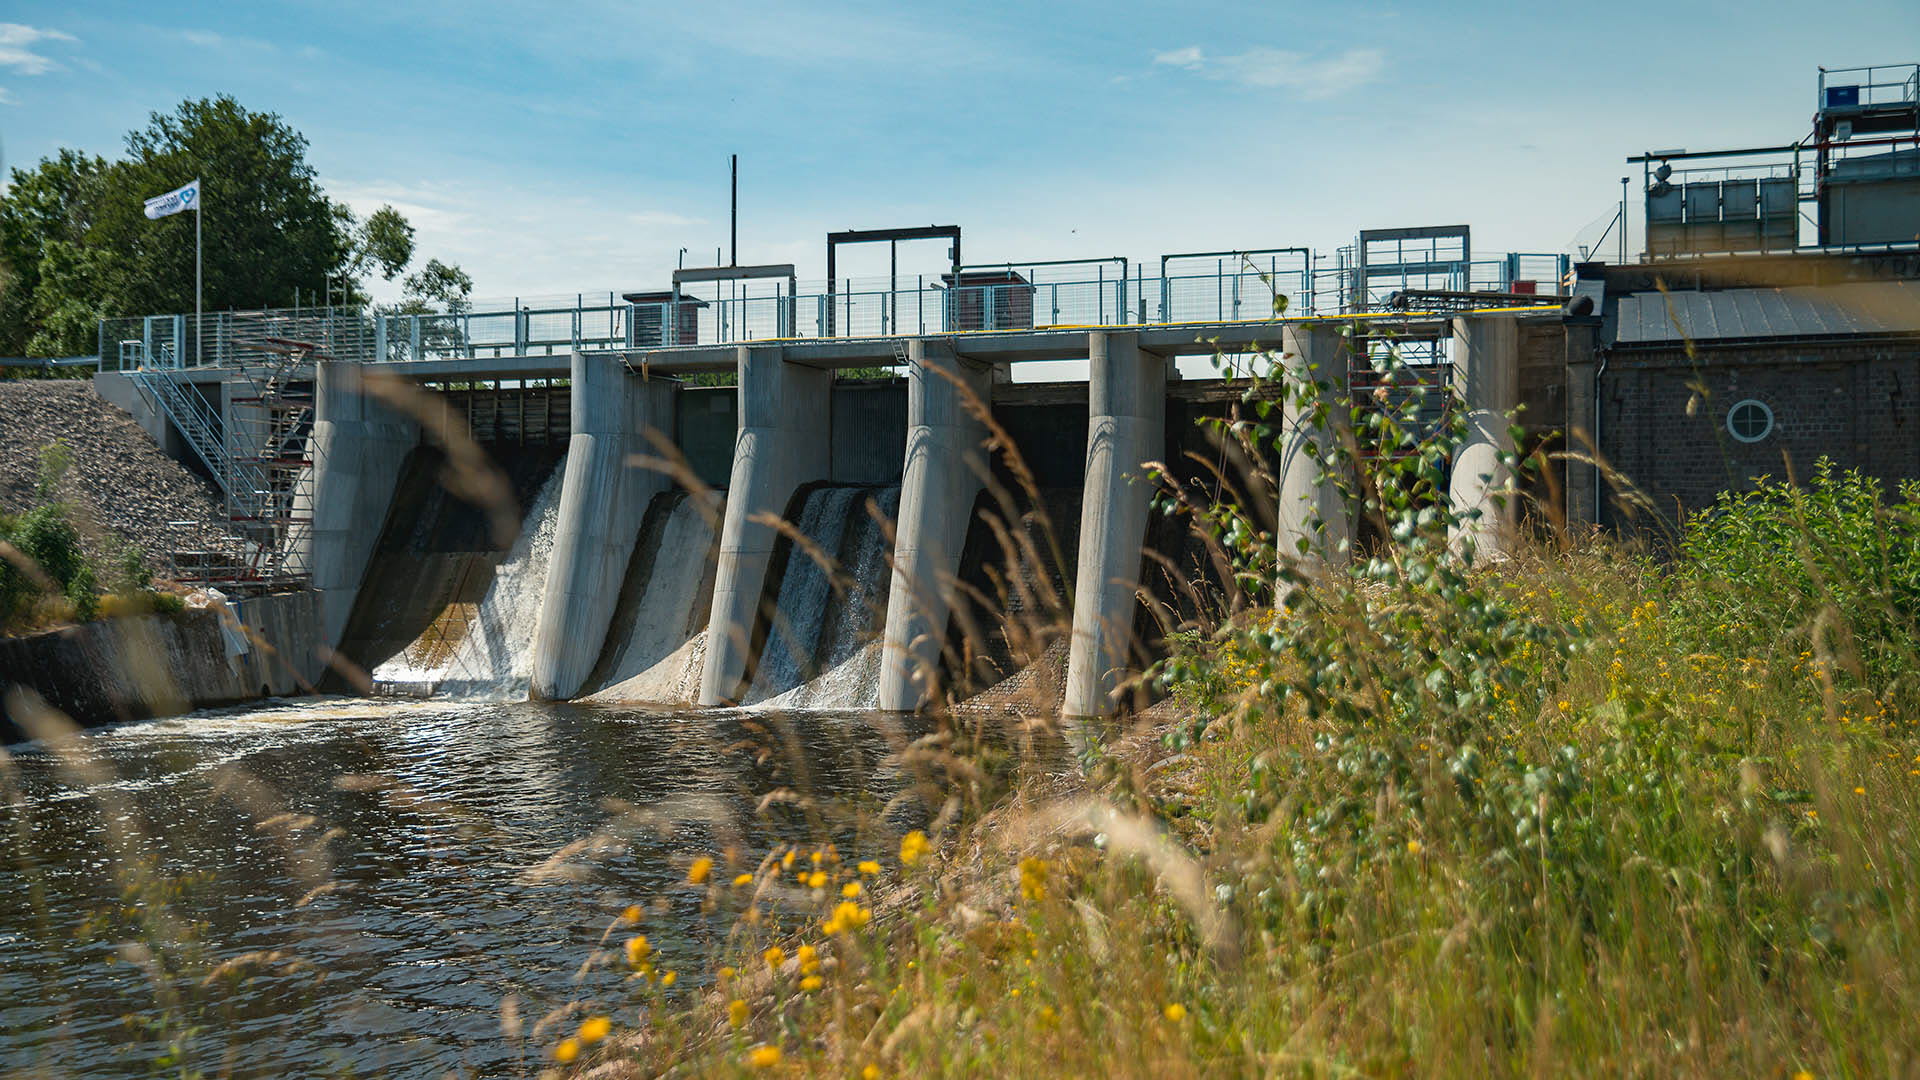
(1579, 813)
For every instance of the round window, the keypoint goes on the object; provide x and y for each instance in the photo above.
(1750, 420)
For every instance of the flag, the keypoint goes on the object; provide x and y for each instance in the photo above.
(173, 202)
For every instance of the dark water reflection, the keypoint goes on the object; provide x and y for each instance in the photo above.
(430, 907)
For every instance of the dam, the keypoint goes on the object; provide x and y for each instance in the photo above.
(843, 520)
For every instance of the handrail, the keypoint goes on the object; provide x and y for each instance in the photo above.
(933, 308)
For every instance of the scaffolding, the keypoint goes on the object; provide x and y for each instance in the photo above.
(255, 448)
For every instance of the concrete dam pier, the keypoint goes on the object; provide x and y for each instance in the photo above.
(809, 543)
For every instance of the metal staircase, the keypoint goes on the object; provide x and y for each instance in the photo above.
(256, 452)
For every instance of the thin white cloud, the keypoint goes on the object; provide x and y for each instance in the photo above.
(1262, 67)
(7, 98)
(1190, 57)
(213, 39)
(16, 53)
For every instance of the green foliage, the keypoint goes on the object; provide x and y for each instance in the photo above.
(55, 459)
(268, 227)
(438, 286)
(1414, 636)
(1830, 566)
(83, 592)
(44, 535)
(383, 242)
(76, 246)
(47, 307)
(1578, 763)
(57, 566)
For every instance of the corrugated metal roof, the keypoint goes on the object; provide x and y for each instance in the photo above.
(1866, 307)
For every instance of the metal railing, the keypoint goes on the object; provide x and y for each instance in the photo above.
(256, 451)
(229, 338)
(1879, 86)
(1233, 288)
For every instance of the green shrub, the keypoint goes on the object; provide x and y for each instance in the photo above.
(1831, 568)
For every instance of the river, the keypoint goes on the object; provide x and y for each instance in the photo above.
(400, 855)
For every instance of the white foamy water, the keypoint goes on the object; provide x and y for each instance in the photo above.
(823, 651)
(494, 659)
(658, 639)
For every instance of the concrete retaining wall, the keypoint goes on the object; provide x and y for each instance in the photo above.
(161, 665)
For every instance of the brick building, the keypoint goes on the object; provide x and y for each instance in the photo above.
(1701, 377)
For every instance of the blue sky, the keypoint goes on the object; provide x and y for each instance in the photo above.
(552, 148)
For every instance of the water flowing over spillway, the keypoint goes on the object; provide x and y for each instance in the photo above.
(485, 650)
(823, 649)
(657, 640)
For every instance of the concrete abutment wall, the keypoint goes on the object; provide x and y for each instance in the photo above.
(1126, 427)
(1486, 373)
(945, 467)
(784, 440)
(603, 498)
(358, 446)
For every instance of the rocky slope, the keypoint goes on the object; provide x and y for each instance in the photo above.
(121, 488)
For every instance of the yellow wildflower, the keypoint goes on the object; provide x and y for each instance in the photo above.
(668, 979)
(817, 880)
(1413, 847)
(871, 1072)
(593, 1029)
(786, 861)
(809, 958)
(869, 867)
(1033, 878)
(632, 914)
(764, 1057)
(847, 916)
(850, 890)
(774, 956)
(913, 847)
(1859, 791)
(697, 873)
(816, 857)
(736, 1014)
(810, 983)
(727, 972)
(638, 950)
(743, 879)
(566, 1051)
(1175, 1012)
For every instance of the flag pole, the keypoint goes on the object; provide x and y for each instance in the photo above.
(199, 329)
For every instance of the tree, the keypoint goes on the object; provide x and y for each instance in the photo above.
(76, 245)
(384, 240)
(46, 267)
(269, 229)
(438, 286)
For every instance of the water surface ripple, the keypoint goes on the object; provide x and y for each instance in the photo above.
(422, 866)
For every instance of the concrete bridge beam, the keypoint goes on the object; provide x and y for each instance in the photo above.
(1314, 519)
(946, 467)
(602, 501)
(784, 441)
(358, 446)
(1486, 377)
(1126, 427)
